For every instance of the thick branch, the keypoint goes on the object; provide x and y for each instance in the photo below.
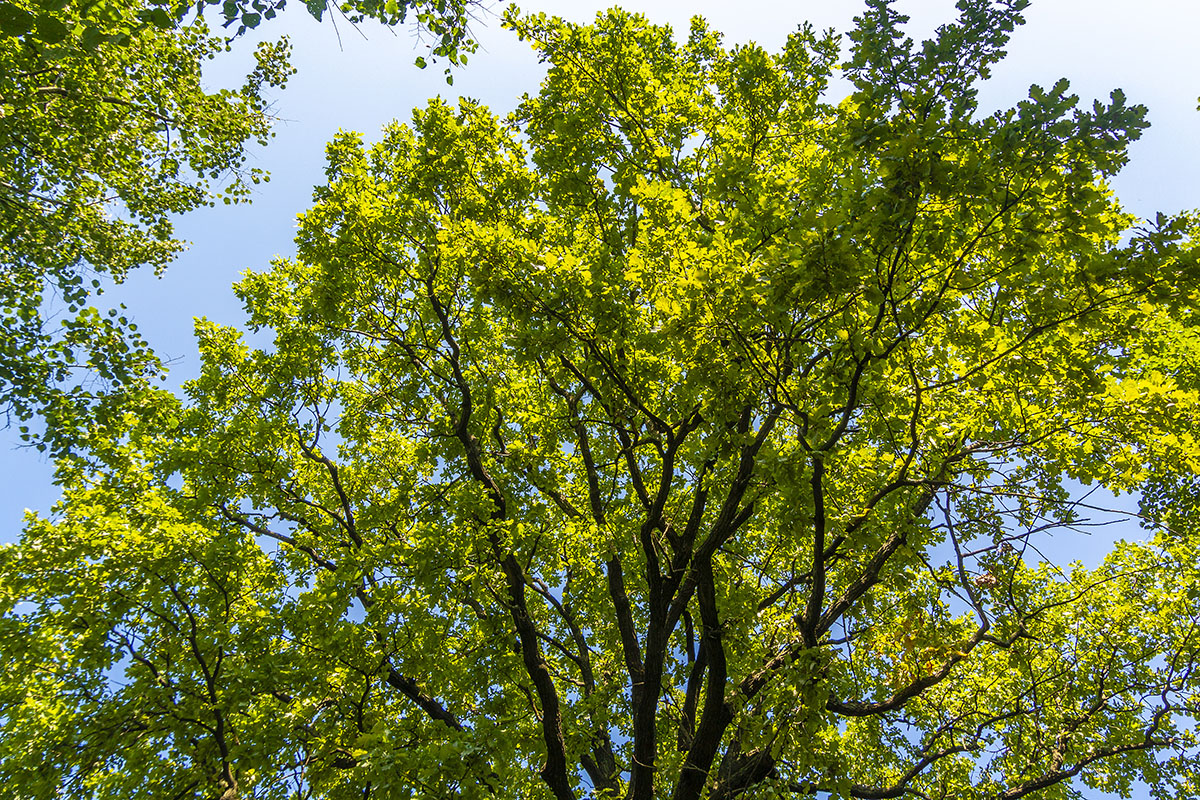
(555, 770)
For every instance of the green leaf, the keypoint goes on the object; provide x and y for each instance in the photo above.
(15, 21)
(51, 30)
(158, 17)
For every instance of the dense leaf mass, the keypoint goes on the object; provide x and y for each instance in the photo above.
(683, 435)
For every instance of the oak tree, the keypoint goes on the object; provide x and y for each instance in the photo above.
(683, 435)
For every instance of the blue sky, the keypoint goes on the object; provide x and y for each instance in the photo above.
(360, 80)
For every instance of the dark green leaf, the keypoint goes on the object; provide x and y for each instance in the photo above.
(15, 21)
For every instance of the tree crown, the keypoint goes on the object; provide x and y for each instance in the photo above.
(684, 434)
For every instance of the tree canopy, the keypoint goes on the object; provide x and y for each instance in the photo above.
(684, 434)
(107, 132)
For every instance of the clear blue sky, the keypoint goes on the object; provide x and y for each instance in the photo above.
(364, 79)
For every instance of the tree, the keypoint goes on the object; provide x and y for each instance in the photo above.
(106, 132)
(683, 435)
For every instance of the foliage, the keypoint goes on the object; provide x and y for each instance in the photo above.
(447, 23)
(106, 131)
(683, 435)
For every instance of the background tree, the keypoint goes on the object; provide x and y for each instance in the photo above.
(683, 435)
(106, 132)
